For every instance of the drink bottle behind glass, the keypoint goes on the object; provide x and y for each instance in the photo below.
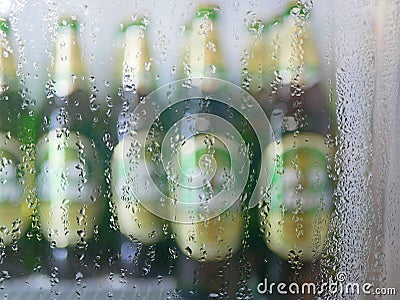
(295, 221)
(212, 245)
(16, 176)
(68, 161)
(143, 246)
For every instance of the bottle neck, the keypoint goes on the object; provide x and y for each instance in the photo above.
(136, 64)
(256, 64)
(203, 55)
(295, 49)
(284, 50)
(68, 66)
(136, 75)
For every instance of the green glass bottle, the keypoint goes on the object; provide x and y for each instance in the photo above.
(283, 74)
(296, 220)
(68, 161)
(203, 58)
(16, 173)
(284, 71)
(215, 242)
(143, 246)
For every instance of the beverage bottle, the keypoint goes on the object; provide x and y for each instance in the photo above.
(69, 163)
(143, 244)
(16, 173)
(295, 217)
(204, 59)
(215, 241)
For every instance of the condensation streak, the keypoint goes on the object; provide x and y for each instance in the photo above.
(355, 82)
(364, 231)
(384, 265)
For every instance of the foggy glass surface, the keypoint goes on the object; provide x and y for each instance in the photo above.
(284, 113)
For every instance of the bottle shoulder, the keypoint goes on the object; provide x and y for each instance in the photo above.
(72, 111)
(14, 112)
(310, 109)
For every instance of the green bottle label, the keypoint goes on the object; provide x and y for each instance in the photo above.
(122, 162)
(133, 218)
(301, 197)
(302, 179)
(205, 172)
(69, 186)
(207, 162)
(67, 168)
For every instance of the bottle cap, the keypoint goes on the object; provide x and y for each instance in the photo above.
(206, 11)
(5, 25)
(139, 22)
(69, 22)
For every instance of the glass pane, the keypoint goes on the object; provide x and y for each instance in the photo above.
(192, 150)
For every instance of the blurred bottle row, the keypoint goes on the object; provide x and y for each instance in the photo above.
(66, 201)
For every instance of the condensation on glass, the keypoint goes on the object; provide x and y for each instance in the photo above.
(192, 150)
